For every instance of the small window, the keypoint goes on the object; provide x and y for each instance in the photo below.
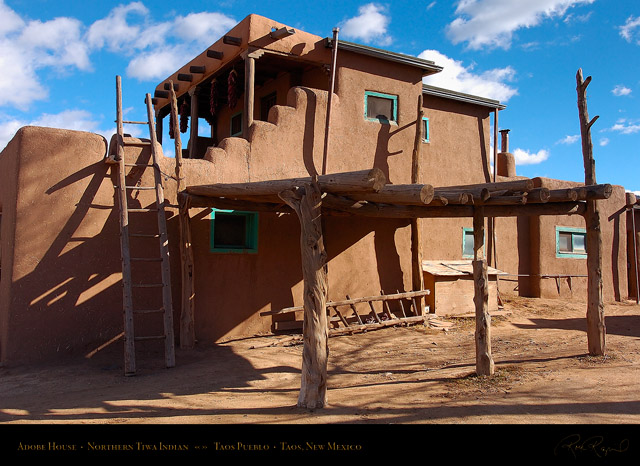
(265, 105)
(425, 129)
(234, 231)
(381, 107)
(467, 243)
(571, 242)
(236, 124)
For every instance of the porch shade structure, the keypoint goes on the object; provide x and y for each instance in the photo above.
(366, 193)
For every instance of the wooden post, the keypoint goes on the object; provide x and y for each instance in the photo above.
(596, 330)
(176, 135)
(484, 360)
(417, 277)
(249, 93)
(332, 82)
(193, 136)
(187, 327)
(306, 201)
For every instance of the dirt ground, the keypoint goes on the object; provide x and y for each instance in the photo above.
(402, 375)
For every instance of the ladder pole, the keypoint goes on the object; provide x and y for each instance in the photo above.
(164, 244)
(129, 342)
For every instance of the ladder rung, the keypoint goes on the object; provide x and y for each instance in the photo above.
(157, 337)
(148, 311)
(144, 235)
(147, 259)
(139, 165)
(148, 285)
(141, 188)
(134, 122)
(142, 210)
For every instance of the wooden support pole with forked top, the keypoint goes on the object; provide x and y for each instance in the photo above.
(306, 201)
(484, 359)
(596, 330)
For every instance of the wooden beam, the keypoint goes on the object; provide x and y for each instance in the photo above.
(249, 93)
(306, 202)
(417, 274)
(514, 185)
(596, 330)
(187, 313)
(234, 204)
(418, 194)
(176, 136)
(193, 136)
(337, 203)
(215, 54)
(185, 77)
(594, 192)
(196, 69)
(230, 40)
(484, 359)
(364, 180)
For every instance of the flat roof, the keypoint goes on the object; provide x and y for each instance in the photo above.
(455, 95)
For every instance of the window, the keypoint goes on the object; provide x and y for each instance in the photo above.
(265, 105)
(571, 242)
(425, 129)
(236, 124)
(234, 231)
(467, 243)
(381, 107)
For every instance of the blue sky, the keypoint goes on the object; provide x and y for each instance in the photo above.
(59, 59)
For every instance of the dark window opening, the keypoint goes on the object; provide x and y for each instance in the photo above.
(265, 105)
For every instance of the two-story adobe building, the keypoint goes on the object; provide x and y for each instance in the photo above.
(253, 107)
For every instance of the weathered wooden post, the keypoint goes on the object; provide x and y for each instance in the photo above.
(187, 326)
(416, 223)
(307, 203)
(176, 135)
(484, 360)
(596, 330)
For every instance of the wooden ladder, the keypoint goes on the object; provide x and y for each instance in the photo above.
(127, 260)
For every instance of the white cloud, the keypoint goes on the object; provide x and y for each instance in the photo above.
(370, 25)
(79, 120)
(204, 27)
(620, 90)
(455, 76)
(624, 127)
(491, 23)
(569, 139)
(527, 158)
(431, 5)
(628, 30)
(156, 64)
(604, 141)
(114, 32)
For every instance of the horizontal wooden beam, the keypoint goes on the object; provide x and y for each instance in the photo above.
(346, 206)
(185, 77)
(161, 94)
(230, 40)
(196, 69)
(364, 180)
(417, 194)
(167, 86)
(215, 54)
(514, 185)
(234, 204)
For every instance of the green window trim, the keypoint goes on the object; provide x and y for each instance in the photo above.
(468, 242)
(578, 242)
(250, 243)
(393, 98)
(425, 128)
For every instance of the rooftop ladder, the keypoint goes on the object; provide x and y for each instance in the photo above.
(166, 311)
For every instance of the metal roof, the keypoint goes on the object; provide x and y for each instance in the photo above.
(472, 99)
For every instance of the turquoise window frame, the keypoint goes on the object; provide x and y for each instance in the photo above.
(394, 98)
(574, 232)
(425, 136)
(465, 234)
(239, 133)
(250, 245)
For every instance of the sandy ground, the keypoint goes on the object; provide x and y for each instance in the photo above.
(403, 375)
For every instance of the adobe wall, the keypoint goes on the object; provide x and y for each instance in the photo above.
(61, 290)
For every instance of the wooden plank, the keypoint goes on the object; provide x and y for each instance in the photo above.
(416, 194)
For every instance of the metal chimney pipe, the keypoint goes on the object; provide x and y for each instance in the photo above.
(505, 140)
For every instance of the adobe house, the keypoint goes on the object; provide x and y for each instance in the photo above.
(403, 170)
